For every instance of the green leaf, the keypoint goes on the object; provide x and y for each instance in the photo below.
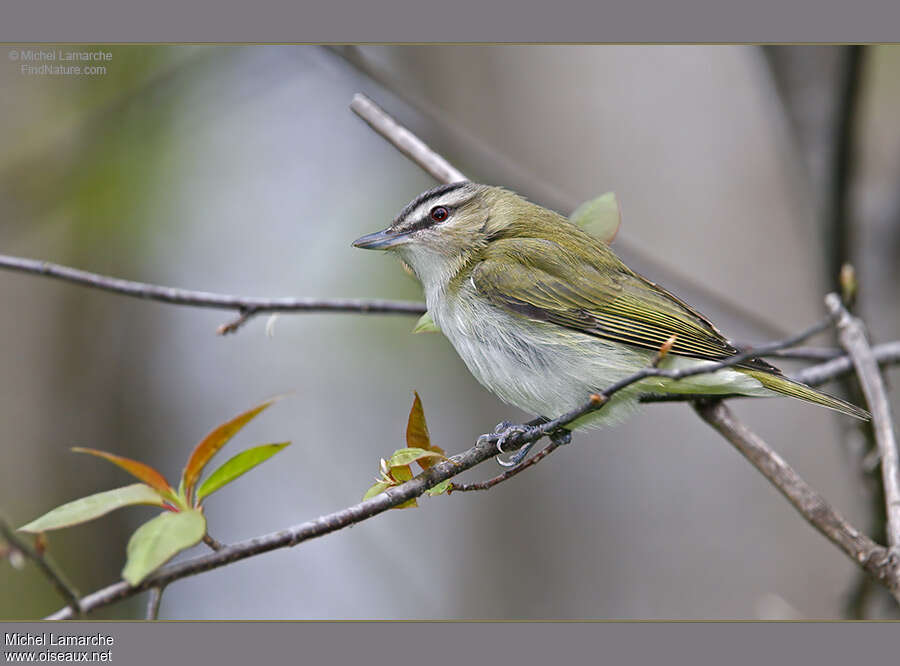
(94, 506)
(408, 456)
(157, 541)
(378, 488)
(426, 324)
(599, 217)
(215, 440)
(402, 474)
(440, 488)
(240, 464)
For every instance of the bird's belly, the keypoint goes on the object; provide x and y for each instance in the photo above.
(543, 369)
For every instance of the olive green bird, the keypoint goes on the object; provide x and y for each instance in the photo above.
(544, 314)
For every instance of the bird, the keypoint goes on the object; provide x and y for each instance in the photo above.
(545, 314)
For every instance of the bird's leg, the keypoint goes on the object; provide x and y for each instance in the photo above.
(559, 437)
(502, 434)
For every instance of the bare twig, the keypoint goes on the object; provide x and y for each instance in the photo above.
(212, 543)
(885, 354)
(405, 141)
(853, 338)
(66, 591)
(248, 306)
(861, 549)
(153, 602)
(500, 478)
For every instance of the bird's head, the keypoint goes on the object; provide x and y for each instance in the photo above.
(442, 229)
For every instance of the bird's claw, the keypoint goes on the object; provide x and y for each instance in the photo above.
(504, 431)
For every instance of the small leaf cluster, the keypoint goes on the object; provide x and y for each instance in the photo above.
(419, 449)
(182, 524)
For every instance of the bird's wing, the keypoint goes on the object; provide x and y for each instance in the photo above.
(596, 295)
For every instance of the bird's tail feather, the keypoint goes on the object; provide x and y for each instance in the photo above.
(789, 387)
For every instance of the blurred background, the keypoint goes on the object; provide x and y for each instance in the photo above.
(747, 175)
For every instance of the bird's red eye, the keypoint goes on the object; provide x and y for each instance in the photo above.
(439, 213)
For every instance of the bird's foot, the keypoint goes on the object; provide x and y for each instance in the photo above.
(559, 437)
(502, 434)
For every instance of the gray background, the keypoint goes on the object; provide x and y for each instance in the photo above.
(240, 169)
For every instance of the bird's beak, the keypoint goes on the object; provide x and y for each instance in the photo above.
(380, 240)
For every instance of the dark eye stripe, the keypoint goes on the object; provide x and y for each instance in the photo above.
(428, 220)
(430, 195)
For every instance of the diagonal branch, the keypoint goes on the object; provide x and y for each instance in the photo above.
(52, 574)
(853, 338)
(405, 141)
(812, 506)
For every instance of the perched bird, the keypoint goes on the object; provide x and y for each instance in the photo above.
(544, 314)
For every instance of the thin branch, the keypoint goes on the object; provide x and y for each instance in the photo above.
(203, 299)
(233, 325)
(861, 549)
(66, 591)
(404, 140)
(212, 543)
(500, 478)
(885, 354)
(153, 602)
(853, 338)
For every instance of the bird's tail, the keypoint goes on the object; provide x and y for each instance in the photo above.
(785, 386)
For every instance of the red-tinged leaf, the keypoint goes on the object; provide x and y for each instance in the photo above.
(236, 466)
(137, 469)
(416, 429)
(215, 440)
(94, 506)
(402, 457)
(400, 474)
(417, 433)
(157, 541)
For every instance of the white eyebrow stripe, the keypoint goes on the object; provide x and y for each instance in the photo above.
(423, 210)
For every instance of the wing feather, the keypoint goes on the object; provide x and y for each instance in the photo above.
(588, 289)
